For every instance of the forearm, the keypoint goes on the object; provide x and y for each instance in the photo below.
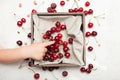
(11, 55)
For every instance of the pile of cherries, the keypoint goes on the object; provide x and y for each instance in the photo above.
(53, 52)
(87, 70)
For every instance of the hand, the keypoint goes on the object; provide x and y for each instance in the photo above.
(37, 50)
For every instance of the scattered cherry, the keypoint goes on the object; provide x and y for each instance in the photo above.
(29, 35)
(62, 3)
(60, 55)
(88, 34)
(53, 5)
(34, 11)
(87, 3)
(63, 26)
(90, 66)
(64, 73)
(85, 12)
(80, 9)
(58, 24)
(23, 20)
(90, 48)
(70, 40)
(82, 69)
(36, 75)
(90, 24)
(67, 54)
(94, 33)
(19, 42)
(19, 23)
(88, 70)
(65, 49)
(90, 11)
(59, 35)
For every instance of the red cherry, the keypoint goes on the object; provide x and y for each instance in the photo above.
(88, 34)
(23, 20)
(82, 69)
(34, 11)
(59, 35)
(90, 24)
(90, 48)
(48, 32)
(29, 35)
(50, 68)
(62, 3)
(85, 12)
(75, 10)
(51, 38)
(80, 9)
(53, 29)
(53, 5)
(55, 56)
(65, 44)
(90, 66)
(56, 50)
(65, 49)
(58, 29)
(36, 75)
(63, 26)
(58, 24)
(70, 40)
(19, 23)
(45, 36)
(49, 9)
(90, 11)
(19, 42)
(87, 3)
(64, 73)
(94, 33)
(67, 54)
(60, 41)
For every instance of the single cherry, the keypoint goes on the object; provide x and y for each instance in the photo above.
(53, 5)
(34, 11)
(58, 24)
(88, 70)
(64, 73)
(62, 3)
(82, 69)
(65, 49)
(90, 48)
(23, 20)
(70, 10)
(63, 26)
(65, 43)
(87, 3)
(80, 9)
(29, 35)
(19, 42)
(94, 33)
(60, 55)
(90, 24)
(90, 11)
(88, 34)
(36, 75)
(67, 54)
(70, 40)
(90, 66)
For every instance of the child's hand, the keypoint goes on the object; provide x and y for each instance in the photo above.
(36, 51)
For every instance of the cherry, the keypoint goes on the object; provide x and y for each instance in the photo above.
(53, 29)
(90, 11)
(65, 49)
(70, 40)
(90, 66)
(51, 38)
(19, 42)
(65, 44)
(60, 55)
(56, 38)
(23, 20)
(58, 24)
(51, 59)
(82, 69)
(88, 70)
(56, 45)
(31, 63)
(29, 35)
(50, 68)
(88, 34)
(62, 3)
(67, 54)
(53, 5)
(19, 23)
(94, 33)
(60, 41)
(48, 33)
(56, 50)
(90, 48)
(70, 10)
(36, 75)
(55, 56)
(45, 36)
(58, 29)
(85, 12)
(46, 58)
(34, 11)
(44, 68)
(87, 3)
(90, 24)
(59, 35)
(80, 9)
(64, 73)
(75, 10)
(49, 9)
(63, 26)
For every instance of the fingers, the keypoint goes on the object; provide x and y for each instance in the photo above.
(48, 43)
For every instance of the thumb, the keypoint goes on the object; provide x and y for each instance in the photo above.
(48, 43)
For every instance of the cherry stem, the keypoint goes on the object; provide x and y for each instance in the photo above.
(32, 70)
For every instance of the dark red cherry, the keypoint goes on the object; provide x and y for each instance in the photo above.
(19, 43)
(88, 70)
(90, 48)
(49, 9)
(85, 12)
(50, 68)
(29, 35)
(90, 11)
(90, 66)
(80, 9)
(65, 43)
(62, 3)
(94, 33)
(60, 41)
(53, 29)
(70, 40)
(82, 69)
(58, 24)
(53, 5)
(55, 56)
(19, 23)
(65, 49)
(67, 54)
(63, 26)
(64, 73)
(60, 55)
(59, 35)
(56, 50)
(36, 75)
(48, 32)
(70, 10)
